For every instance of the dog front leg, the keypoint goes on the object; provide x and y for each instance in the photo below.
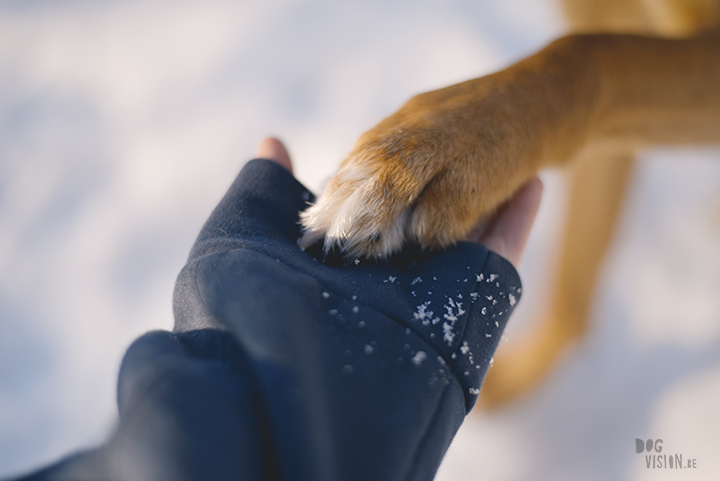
(429, 172)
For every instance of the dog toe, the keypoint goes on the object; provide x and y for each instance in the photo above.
(357, 215)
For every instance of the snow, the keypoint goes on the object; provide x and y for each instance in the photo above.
(448, 333)
(418, 358)
(423, 314)
(453, 310)
(116, 147)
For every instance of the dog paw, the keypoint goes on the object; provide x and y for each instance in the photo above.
(425, 175)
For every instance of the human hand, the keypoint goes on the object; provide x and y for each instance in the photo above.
(364, 369)
(288, 366)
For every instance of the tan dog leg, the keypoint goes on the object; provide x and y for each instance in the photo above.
(430, 171)
(596, 196)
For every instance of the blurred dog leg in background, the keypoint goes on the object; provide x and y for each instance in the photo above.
(598, 182)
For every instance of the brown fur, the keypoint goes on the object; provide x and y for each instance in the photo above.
(449, 157)
(599, 178)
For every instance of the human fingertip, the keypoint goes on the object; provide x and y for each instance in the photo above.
(272, 149)
(509, 233)
(532, 191)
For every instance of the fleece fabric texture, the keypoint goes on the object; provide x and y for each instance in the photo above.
(295, 365)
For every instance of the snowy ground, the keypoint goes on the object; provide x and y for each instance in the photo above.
(122, 123)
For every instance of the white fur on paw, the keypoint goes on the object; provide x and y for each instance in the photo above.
(350, 215)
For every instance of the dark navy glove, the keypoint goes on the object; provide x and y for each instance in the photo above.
(366, 369)
(293, 365)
